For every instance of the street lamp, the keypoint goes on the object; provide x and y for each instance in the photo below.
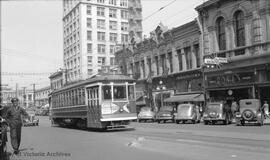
(161, 87)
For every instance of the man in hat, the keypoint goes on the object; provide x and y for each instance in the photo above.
(13, 117)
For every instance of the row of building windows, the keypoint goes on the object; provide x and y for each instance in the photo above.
(70, 29)
(73, 63)
(239, 29)
(123, 3)
(69, 4)
(102, 25)
(69, 98)
(164, 64)
(113, 37)
(71, 50)
(72, 39)
(112, 12)
(73, 75)
(100, 60)
(101, 35)
(101, 48)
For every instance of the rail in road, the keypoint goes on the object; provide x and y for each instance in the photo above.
(227, 137)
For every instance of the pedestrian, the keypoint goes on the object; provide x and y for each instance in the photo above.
(265, 109)
(14, 118)
(234, 109)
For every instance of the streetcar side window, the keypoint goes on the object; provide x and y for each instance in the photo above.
(107, 92)
(119, 92)
(83, 96)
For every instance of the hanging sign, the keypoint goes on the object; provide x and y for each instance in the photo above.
(216, 60)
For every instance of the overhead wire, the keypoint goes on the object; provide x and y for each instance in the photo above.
(6, 51)
(161, 8)
(171, 16)
(195, 17)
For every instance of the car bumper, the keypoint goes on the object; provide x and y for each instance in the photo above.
(165, 118)
(213, 119)
(249, 120)
(146, 118)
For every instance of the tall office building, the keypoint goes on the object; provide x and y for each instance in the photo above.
(92, 30)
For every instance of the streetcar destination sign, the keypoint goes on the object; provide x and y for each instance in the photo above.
(216, 60)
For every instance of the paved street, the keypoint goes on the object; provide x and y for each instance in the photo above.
(147, 141)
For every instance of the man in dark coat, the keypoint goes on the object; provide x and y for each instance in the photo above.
(14, 118)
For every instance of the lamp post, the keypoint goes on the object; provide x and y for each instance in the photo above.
(161, 87)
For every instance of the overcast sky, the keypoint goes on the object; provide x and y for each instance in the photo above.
(32, 38)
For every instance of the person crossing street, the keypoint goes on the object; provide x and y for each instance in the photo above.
(14, 120)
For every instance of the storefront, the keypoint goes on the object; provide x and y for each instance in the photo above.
(263, 86)
(239, 83)
(182, 84)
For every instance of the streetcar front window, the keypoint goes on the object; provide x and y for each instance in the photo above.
(107, 92)
(119, 92)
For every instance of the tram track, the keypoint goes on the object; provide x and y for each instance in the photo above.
(201, 140)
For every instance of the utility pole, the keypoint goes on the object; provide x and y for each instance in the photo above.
(34, 93)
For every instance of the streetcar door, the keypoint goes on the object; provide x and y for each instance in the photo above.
(93, 107)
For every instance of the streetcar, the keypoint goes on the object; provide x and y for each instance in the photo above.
(102, 102)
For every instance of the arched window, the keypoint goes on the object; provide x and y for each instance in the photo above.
(239, 28)
(220, 26)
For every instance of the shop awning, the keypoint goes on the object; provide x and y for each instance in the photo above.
(186, 98)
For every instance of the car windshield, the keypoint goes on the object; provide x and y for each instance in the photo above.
(214, 107)
(184, 108)
(166, 109)
(145, 109)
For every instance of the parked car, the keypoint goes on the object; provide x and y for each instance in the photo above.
(216, 112)
(187, 112)
(146, 114)
(249, 111)
(32, 120)
(165, 114)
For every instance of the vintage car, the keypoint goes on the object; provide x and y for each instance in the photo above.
(217, 112)
(187, 113)
(249, 111)
(32, 120)
(146, 114)
(166, 113)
